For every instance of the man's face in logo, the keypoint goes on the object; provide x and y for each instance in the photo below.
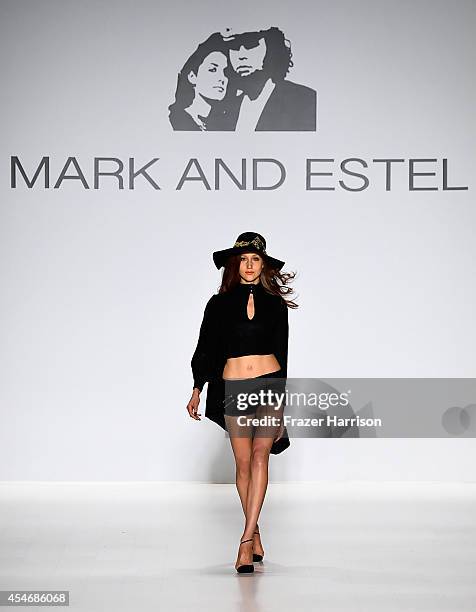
(247, 53)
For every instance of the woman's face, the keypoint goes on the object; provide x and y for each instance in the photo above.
(210, 80)
(251, 265)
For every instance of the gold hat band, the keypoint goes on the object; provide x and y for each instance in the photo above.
(256, 242)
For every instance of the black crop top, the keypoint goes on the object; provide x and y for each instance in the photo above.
(226, 331)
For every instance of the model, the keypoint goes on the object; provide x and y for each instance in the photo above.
(243, 341)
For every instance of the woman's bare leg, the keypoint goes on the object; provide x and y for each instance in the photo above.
(252, 460)
(242, 453)
(241, 443)
(242, 448)
(258, 484)
(260, 451)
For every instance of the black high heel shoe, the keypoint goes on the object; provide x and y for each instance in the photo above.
(247, 568)
(255, 556)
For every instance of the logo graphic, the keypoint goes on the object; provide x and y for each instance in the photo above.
(236, 81)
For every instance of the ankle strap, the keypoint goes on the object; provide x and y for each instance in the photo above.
(246, 541)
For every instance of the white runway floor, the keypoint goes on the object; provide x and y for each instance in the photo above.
(354, 546)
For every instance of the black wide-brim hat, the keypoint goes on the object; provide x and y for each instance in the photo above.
(248, 242)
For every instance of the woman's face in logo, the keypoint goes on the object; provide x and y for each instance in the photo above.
(211, 81)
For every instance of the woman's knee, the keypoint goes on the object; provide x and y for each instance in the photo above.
(243, 465)
(260, 455)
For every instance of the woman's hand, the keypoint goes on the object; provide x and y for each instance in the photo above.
(192, 406)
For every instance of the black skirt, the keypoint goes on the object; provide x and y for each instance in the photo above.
(243, 396)
(222, 397)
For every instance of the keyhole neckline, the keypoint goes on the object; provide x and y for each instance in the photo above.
(251, 297)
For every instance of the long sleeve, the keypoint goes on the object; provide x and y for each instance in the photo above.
(281, 335)
(204, 355)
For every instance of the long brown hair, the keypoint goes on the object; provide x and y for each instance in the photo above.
(273, 281)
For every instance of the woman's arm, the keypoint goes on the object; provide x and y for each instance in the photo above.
(203, 356)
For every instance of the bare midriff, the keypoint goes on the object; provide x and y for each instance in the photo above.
(250, 366)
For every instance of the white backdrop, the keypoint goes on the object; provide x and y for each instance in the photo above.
(103, 289)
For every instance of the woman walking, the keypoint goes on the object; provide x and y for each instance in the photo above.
(243, 345)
